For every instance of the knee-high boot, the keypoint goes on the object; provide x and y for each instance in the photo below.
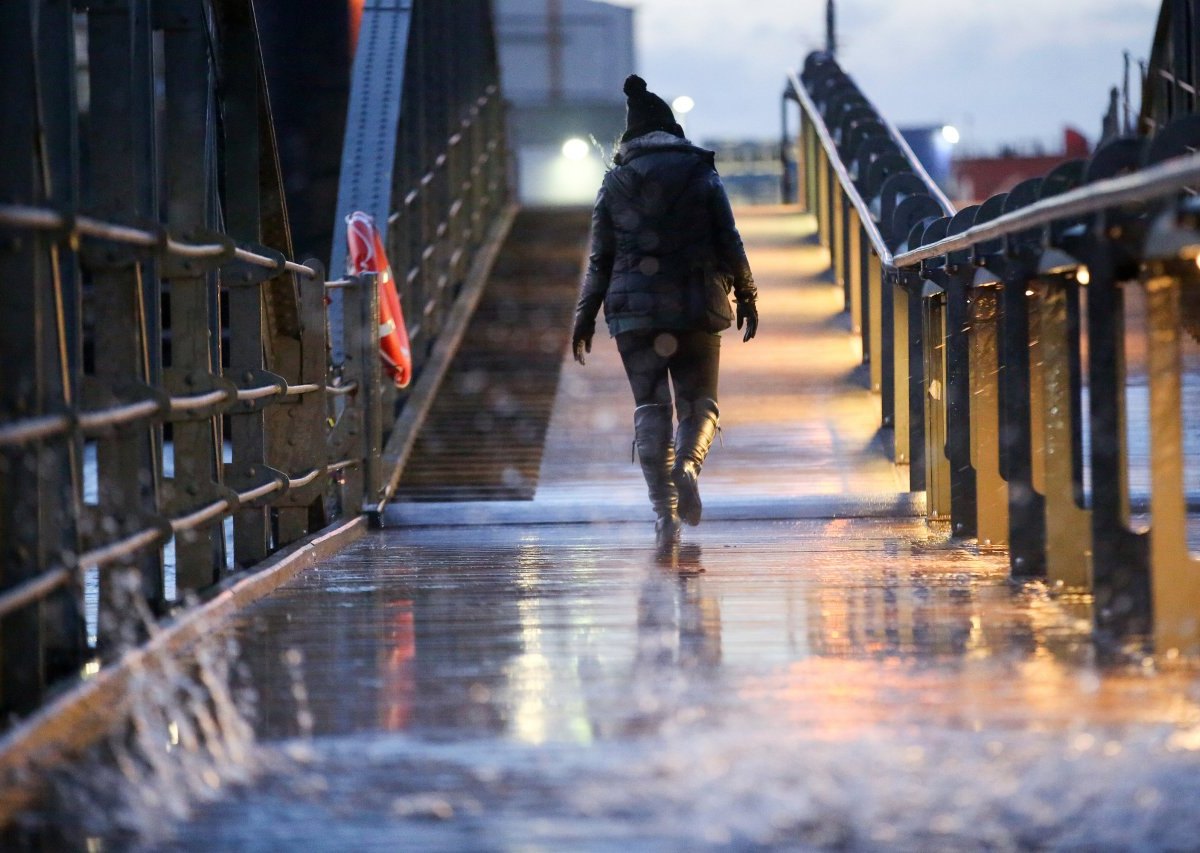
(697, 429)
(652, 434)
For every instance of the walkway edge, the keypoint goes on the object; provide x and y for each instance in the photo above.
(769, 508)
(86, 712)
(416, 407)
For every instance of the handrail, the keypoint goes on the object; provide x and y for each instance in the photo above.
(1153, 182)
(47, 219)
(41, 428)
(983, 387)
(23, 594)
(864, 212)
(918, 167)
(1145, 185)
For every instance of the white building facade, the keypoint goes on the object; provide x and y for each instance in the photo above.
(562, 65)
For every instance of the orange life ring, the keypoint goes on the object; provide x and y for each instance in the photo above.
(366, 255)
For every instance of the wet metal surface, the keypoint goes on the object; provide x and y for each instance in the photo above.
(853, 683)
(485, 680)
(483, 437)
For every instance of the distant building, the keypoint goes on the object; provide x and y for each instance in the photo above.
(933, 145)
(751, 171)
(562, 65)
(974, 179)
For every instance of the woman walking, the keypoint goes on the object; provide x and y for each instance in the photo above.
(665, 254)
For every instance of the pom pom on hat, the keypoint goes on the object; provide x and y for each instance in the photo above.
(634, 85)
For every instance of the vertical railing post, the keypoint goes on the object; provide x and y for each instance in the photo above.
(363, 367)
(991, 492)
(1068, 524)
(1026, 508)
(837, 234)
(958, 278)
(123, 183)
(786, 190)
(910, 376)
(937, 465)
(846, 256)
(811, 166)
(61, 467)
(243, 207)
(1176, 573)
(877, 346)
(1120, 557)
(299, 439)
(36, 495)
(853, 272)
(188, 137)
(824, 199)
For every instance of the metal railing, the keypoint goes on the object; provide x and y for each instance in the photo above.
(1172, 75)
(168, 402)
(1001, 339)
(425, 155)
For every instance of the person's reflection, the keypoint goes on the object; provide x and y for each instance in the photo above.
(396, 669)
(678, 623)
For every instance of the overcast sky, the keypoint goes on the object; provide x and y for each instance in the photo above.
(1003, 71)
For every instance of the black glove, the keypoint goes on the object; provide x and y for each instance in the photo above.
(581, 341)
(747, 313)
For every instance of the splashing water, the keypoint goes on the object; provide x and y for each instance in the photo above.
(182, 734)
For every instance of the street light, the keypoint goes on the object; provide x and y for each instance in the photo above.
(682, 106)
(950, 134)
(575, 149)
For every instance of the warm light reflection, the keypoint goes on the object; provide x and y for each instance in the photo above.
(546, 692)
(396, 664)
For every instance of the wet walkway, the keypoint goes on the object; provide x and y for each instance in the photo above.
(818, 670)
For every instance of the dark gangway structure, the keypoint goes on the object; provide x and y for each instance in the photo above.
(160, 306)
(949, 548)
(999, 336)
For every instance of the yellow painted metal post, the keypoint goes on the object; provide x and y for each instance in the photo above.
(814, 170)
(875, 318)
(823, 200)
(1175, 574)
(1068, 526)
(991, 491)
(937, 465)
(1037, 389)
(854, 249)
(836, 236)
(900, 371)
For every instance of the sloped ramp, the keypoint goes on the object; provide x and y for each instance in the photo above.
(483, 437)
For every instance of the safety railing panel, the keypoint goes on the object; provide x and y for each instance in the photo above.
(1017, 336)
(169, 408)
(425, 156)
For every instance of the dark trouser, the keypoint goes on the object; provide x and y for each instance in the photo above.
(654, 359)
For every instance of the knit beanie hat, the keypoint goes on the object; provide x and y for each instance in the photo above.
(646, 112)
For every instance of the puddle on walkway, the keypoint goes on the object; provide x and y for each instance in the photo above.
(811, 685)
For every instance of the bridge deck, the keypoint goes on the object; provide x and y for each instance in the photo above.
(796, 679)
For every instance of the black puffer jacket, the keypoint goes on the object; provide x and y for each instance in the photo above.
(660, 215)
